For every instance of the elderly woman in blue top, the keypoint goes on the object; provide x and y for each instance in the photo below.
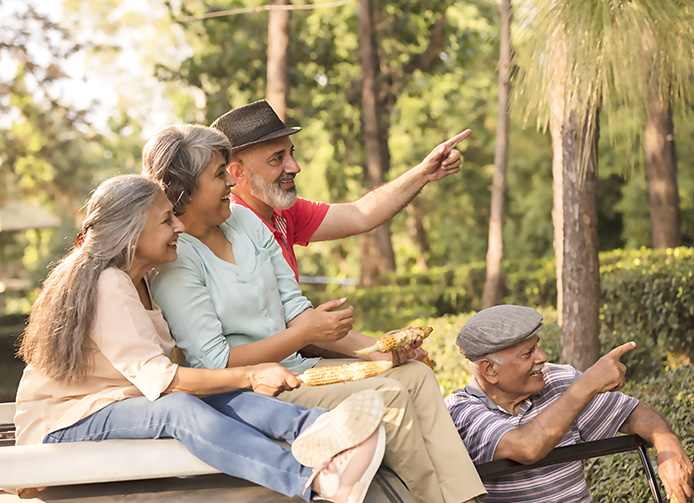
(231, 299)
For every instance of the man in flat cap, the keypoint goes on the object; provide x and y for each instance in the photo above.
(264, 167)
(519, 407)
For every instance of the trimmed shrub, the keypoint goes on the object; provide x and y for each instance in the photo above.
(648, 296)
(620, 478)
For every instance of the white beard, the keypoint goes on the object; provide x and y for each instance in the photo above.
(270, 192)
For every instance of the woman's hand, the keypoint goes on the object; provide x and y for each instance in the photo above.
(271, 379)
(399, 356)
(326, 325)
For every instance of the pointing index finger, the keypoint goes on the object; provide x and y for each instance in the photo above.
(619, 351)
(452, 142)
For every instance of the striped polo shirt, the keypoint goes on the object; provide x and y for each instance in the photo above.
(481, 424)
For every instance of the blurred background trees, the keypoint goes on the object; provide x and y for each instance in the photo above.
(374, 94)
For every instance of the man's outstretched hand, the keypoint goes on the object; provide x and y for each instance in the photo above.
(444, 160)
(607, 374)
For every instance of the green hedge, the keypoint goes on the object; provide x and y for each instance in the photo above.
(646, 296)
(440, 291)
(619, 478)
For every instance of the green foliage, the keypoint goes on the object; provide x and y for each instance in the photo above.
(625, 50)
(647, 296)
(443, 290)
(49, 152)
(619, 478)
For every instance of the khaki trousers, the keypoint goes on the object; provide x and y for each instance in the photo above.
(423, 447)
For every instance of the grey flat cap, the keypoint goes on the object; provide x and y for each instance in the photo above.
(497, 328)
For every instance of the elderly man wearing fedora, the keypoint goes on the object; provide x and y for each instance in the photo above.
(264, 167)
(519, 407)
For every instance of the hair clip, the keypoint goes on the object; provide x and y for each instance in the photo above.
(79, 240)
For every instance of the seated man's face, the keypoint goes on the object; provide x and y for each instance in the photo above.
(520, 373)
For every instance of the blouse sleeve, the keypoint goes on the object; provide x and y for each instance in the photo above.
(179, 289)
(127, 337)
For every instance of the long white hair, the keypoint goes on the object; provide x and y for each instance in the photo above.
(57, 338)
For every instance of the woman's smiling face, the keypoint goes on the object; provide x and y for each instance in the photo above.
(156, 244)
(209, 204)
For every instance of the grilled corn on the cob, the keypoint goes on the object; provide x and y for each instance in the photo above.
(427, 361)
(397, 339)
(356, 371)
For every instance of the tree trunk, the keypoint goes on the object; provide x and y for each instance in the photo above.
(491, 295)
(417, 232)
(556, 130)
(370, 260)
(581, 272)
(662, 174)
(277, 89)
(375, 138)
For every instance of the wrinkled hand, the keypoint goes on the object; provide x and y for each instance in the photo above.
(271, 379)
(675, 470)
(607, 374)
(327, 325)
(444, 160)
(401, 355)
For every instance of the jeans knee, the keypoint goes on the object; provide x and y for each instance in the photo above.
(177, 404)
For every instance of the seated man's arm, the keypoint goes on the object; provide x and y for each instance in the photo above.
(674, 466)
(534, 440)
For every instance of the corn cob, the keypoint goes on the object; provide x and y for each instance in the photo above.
(397, 339)
(319, 376)
(427, 361)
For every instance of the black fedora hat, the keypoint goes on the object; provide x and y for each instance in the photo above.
(252, 124)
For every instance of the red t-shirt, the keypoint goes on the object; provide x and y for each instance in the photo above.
(295, 225)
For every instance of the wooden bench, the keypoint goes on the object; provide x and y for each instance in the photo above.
(145, 470)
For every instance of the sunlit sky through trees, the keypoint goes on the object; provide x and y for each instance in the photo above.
(97, 81)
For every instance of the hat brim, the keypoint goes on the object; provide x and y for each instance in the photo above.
(286, 131)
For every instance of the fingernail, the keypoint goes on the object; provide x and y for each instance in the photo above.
(343, 299)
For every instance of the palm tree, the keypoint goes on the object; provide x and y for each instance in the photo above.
(575, 56)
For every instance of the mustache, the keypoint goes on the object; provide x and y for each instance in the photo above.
(285, 177)
(537, 368)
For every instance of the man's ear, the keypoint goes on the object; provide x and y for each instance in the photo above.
(488, 370)
(238, 171)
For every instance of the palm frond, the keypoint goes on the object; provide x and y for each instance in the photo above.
(609, 53)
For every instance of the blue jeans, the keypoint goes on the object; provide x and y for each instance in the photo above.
(232, 432)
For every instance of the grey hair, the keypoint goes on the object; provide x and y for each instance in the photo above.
(177, 155)
(57, 338)
(495, 358)
(474, 365)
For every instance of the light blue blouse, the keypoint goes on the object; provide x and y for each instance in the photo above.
(212, 305)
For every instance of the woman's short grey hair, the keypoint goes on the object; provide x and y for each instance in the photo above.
(177, 155)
